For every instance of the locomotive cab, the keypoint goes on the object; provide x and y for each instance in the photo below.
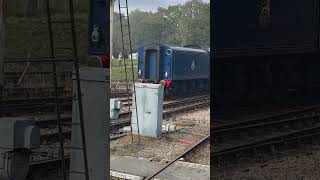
(150, 70)
(182, 70)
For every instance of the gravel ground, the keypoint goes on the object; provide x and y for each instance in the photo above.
(201, 155)
(292, 165)
(168, 145)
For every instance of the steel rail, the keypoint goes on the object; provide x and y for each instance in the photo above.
(177, 158)
(269, 117)
(299, 134)
(118, 122)
(262, 123)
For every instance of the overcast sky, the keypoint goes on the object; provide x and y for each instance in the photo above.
(152, 5)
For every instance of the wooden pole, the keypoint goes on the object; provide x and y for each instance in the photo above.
(2, 42)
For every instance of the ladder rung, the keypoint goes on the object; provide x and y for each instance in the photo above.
(123, 7)
(124, 16)
(69, 123)
(61, 43)
(74, 172)
(61, 22)
(80, 148)
(64, 48)
(65, 98)
(44, 60)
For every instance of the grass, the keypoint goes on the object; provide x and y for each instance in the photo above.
(28, 37)
(118, 70)
(120, 63)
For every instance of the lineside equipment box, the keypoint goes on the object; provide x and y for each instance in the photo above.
(149, 107)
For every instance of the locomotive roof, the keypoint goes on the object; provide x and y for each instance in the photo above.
(187, 49)
(176, 48)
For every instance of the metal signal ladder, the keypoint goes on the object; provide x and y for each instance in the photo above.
(53, 55)
(53, 59)
(127, 49)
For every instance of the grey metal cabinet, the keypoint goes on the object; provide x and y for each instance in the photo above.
(149, 107)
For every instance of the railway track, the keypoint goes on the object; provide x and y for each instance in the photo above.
(257, 134)
(284, 117)
(299, 126)
(173, 106)
(170, 109)
(54, 159)
(33, 105)
(25, 105)
(11, 78)
(48, 123)
(50, 135)
(184, 153)
(274, 140)
(17, 75)
(41, 103)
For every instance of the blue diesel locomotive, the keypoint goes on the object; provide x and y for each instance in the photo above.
(183, 70)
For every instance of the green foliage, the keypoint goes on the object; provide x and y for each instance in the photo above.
(120, 63)
(118, 70)
(29, 37)
(180, 25)
(18, 8)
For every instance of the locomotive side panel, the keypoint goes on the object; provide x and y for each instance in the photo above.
(166, 63)
(190, 65)
(174, 64)
(265, 27)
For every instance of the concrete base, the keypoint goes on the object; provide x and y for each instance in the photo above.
(134, 168)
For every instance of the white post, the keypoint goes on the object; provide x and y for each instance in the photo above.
(111, 35)
(111, 27)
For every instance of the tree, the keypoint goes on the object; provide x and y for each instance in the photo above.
(117, 43)
(176, 25)
(194, 24)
